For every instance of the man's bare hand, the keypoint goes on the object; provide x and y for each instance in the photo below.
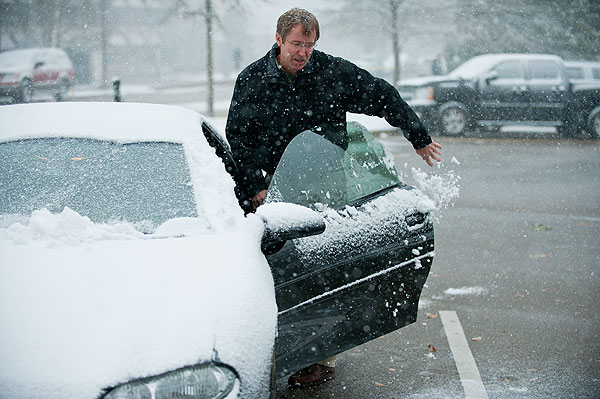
(430, 153)
(258, 199)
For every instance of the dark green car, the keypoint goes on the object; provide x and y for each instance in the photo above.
(362, 277)
(358, 276)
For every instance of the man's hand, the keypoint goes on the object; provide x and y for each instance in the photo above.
(429, 152)
(258, 199)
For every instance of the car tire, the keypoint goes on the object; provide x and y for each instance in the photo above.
(593, 123)
(62, 90)
(453, 119)
(25, 93)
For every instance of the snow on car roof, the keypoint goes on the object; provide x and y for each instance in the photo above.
(24, 57)
(482, 63)
(120, 122)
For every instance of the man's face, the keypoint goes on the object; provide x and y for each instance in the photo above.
(296, 49)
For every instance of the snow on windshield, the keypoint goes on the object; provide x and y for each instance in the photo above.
(67, 227)
(211, 188)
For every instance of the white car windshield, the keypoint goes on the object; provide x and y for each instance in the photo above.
(144, 184)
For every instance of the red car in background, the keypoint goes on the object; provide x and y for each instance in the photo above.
(26, 72)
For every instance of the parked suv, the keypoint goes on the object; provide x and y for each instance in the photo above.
(494, 90)
(28, 71)
(583, 71)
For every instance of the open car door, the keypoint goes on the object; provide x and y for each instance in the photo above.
(363, 276)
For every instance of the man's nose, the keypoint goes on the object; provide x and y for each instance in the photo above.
(303, 51)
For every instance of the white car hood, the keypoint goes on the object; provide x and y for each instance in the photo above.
(423, 80)
(80, 318)
(22, 69)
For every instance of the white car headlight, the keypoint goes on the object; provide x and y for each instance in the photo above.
(206, 381)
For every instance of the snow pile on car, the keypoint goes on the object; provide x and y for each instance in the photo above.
(67, 227)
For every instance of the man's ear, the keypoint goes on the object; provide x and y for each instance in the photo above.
(278, 39)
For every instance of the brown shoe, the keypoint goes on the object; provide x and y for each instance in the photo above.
(311, 375)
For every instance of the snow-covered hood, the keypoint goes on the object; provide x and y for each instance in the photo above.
(22, 69)
(425, 80)
(79, 318)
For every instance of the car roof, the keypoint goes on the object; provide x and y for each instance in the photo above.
(119, 122)
(527, 56)
(582, 63)
(33, 50)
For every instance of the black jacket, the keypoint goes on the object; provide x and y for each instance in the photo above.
(270, 107)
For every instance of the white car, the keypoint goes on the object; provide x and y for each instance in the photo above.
(24, 73)
(126, 265)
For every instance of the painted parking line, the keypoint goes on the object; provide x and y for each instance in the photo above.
(465, 363)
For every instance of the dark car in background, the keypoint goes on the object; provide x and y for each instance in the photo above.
(495, 90)
(26, 73)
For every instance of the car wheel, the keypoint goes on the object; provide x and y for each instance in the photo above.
(593, 125)
(62, 90)
(453, 120)
(25, 93)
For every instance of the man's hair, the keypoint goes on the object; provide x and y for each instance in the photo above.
(296, 16)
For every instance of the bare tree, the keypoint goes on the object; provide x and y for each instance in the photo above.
(206, 11)
(381, 16)
(394, 5)
(45, 22)
(569, 28)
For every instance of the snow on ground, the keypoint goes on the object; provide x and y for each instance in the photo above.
(466, 291)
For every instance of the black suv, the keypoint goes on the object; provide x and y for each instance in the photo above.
(504, 89)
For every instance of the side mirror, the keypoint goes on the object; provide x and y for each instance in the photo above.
(284, 221)
(493, 75)
(38, 64)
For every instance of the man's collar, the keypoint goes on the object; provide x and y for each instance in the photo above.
(272, 64)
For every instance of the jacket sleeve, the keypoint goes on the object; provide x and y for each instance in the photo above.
(242, 135)
(374, 96)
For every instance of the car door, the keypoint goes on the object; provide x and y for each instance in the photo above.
(42, 69)
(504, 94)
(547, 90)
(363, 276)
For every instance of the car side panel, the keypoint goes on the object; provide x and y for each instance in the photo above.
(332, 300)
(548, 92)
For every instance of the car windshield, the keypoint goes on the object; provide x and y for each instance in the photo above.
(144, 184)
(16, 58)
(334, 177)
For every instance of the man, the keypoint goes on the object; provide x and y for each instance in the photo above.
(294, 88)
